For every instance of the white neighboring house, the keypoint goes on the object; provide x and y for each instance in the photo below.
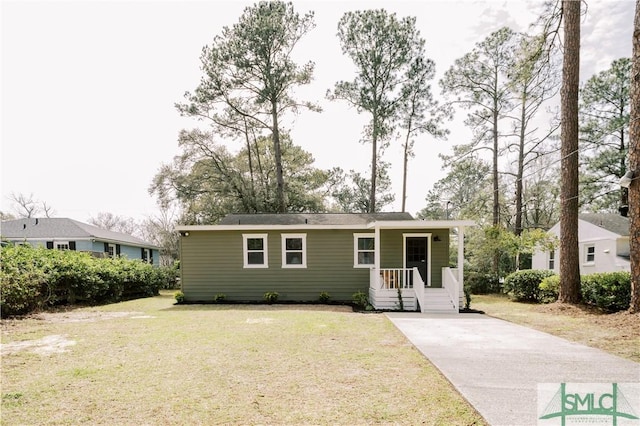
(603, 240)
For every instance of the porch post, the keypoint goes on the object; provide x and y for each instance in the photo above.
(461, 256)
(376, 253)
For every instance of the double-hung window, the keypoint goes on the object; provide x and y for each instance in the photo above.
(552, 260)
(364, 249)
(254, 250)
(294, 250)
(590, 253)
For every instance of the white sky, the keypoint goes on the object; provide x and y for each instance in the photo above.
(88, 89)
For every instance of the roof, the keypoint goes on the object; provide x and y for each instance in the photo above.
(311, 218)
(609, 221)
(364, 221)
(43, 228)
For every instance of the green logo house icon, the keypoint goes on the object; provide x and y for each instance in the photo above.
(588, 403)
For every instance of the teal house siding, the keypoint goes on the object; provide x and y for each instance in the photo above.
(48, 232)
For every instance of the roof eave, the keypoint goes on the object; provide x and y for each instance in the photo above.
(420, 224)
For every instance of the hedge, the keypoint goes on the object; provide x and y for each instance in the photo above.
(609, 291)
(32, 278)
(525, 285)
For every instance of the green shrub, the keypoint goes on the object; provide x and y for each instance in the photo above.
(324, 297)
(360, 299)
(525, 285)
(467, 296)
(179, 296)
(270, 297)
(31, 278)
(23, 281)
(610, 291)
(481, 283)
(219, 298)
(549, 288)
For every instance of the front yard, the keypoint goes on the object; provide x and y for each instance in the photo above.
(148, 361)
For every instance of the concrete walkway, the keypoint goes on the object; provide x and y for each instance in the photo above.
(497, 365)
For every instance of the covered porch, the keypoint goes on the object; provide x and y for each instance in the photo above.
(411, 269)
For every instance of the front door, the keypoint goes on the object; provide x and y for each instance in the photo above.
(416, 255)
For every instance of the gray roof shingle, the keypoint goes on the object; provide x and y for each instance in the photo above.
(310, 218)
(64, 228)
(610, 221)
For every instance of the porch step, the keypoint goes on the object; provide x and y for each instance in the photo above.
(437, 300)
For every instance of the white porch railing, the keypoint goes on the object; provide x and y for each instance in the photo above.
(450, 283)
(418, 287)
(393, 278)
(387, 285)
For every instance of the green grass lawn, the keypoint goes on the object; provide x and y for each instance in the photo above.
(149, 361)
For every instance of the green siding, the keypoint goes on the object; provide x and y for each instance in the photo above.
(392, 243)
(212, 263)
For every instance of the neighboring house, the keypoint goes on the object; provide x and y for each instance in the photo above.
(301, 255)
(69, 234)
(603, 241)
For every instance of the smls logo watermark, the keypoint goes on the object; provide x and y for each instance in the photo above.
(616, 404)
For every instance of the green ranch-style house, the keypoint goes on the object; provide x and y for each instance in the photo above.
(301, 255)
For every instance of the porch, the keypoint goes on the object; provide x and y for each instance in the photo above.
(410, 270)
(404, 289)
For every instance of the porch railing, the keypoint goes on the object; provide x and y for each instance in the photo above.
(450, 283)
(418, 287)
(392, 278)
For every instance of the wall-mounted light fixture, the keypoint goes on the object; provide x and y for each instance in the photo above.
(436, 238)
(625, 180)
(184, 233)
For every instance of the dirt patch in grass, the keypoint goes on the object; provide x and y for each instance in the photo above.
(617, 333)
(224, 364)
(81, 316)
(48, 345)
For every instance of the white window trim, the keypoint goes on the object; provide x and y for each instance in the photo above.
(586, 254)
(245, 251)
(61, 243)
(114, 254)
(284, 250)
(356, 236)
(551, 257)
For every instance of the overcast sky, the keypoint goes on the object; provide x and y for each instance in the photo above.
(88, 89)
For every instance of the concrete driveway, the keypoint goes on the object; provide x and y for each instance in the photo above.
(497, 365)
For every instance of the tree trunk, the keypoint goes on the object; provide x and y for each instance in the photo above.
(252, 188)
(404, 169)
(496, 187)
(634, 164)
(374, 163)
(520, 173)
(280, 201)
(569, 253)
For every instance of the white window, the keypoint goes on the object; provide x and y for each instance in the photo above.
(552, 259)
(364, 250)
(111, 249)
(294, 250)
(254, 250)
(62, 245)
(590, 253)
(146, 255)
